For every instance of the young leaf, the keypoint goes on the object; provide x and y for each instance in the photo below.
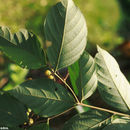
(65, 29)
(74, 74)
(89, 120)
(12, 112)
(113, 86)
(22, 47)
(122, 123)
(44, 97)
(87, 80)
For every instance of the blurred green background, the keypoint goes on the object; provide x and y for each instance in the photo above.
(103, 18)
(108, 25)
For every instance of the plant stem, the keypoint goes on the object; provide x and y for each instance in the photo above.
(62, 113)
(103, 109)
(67, 86)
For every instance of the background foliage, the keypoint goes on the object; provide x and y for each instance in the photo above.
(103, 18)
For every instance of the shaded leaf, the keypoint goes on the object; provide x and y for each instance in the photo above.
(92, 120)
(15, 128)
(122, 123)
(44, 96)
(87, 80)
(65, 29)
(113, 86)
(42, 126)
(22, 47)
(12, 112)
(74, 73)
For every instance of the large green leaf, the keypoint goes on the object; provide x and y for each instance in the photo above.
(91, 120)
(74, 74)
(122, 123)
(113, 86)
(87, 80)
(12, 112)
(65, 28)
(44, 96)
(22, 47)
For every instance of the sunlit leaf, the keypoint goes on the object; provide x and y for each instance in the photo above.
(65, 29)
(113, 86)
(87, 80)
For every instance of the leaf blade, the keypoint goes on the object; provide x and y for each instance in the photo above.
(64, 40)
(22, 47)
(121, 123)
(12, 112)
(113, 86)
(87, 80)
(88, 120)
(43, 95)
(74, 74)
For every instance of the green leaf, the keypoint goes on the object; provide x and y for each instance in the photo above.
(65, 29)
(12, 112)
(122, 123)
(44, 97)
(89, 120)
(22, 47)
(15, 128)
(113, 86)
(43, 126)
(87, 80)
(74, 73)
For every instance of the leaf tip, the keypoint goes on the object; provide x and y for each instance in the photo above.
(65, 3)
(98, 48)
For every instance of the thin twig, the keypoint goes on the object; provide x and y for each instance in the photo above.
(67, 86)
(61, 113)
(103, 109)
(66, 77)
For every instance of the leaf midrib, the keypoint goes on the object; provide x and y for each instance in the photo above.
(114, 81)
(101, 122)
(48, 98)
(59, 55)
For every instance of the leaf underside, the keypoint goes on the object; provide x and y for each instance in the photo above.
(113, 86)
(87, 80)
(91, 120)
(122, 123)
(44, 97)
(65, 28)
(22, 47)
